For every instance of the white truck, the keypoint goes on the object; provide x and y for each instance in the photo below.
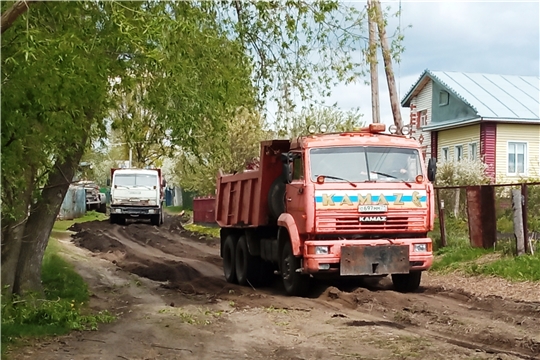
(138, 194)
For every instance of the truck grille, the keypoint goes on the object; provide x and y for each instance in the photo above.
(346, 221)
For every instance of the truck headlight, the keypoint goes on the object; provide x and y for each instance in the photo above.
(151, 211)
(321, 250)
(420, 247)
(118, 211)
(152, 202)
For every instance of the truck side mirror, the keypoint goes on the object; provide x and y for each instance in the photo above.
(108, 182)
(164, 183)
(432, 169)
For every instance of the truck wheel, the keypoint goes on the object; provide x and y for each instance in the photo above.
(229, 265)
(155, 219)
(295, 283)
(407, 282)
(112, 219)
(247, 265)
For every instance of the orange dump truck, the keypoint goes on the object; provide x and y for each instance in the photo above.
(349, 204)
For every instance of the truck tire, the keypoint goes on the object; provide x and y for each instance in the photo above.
(248, 267)
(407, 282)
(112, 219)
(294, 282)
(276, 198)
(229, 256)
(155, 219)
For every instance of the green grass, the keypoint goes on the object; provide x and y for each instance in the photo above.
(203, 230)
(519, 268)
(63, 309)
(63, 225)
(453, 258)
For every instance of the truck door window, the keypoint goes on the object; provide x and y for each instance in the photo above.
(298, 169)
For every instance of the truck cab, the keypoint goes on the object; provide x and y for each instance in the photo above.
(137, 194)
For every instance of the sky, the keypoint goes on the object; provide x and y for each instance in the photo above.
(478, 37)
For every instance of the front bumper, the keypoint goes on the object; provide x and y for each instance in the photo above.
(330, 263)
(135, 211)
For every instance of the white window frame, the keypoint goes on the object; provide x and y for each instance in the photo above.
(445, 153)
(525, 158)
(469, 152)
(456, 152)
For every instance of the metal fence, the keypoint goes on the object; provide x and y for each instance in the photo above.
(487, 213)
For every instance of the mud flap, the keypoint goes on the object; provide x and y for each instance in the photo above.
(374, 260)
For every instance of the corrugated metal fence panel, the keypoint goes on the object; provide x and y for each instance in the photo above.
(80, 202)
(204, 210)
(74, 203)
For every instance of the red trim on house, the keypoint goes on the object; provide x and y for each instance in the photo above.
(434, 143)
(488, 143)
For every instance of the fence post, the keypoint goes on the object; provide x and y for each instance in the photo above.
(441, 218)
(524, 205)
(517, 205)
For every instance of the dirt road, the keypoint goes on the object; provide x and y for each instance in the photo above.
(167, 287)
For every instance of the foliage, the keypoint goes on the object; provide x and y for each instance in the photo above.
(203, 230)
(463, 172)
(63, 309)
(231, 151)
(333, 119)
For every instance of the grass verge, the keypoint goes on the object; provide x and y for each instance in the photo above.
(63, 225)
(491, 262)
(203, 230)
(62, 309)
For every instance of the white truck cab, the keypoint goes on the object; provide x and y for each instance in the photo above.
(136, 193)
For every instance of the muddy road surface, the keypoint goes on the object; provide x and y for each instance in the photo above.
(167, 288)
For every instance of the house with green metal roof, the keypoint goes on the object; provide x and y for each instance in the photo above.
(495, 118)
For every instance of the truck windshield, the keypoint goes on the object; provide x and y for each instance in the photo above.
(360, 164)
(147, 180)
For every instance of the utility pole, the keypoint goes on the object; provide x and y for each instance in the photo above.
(394, 101)
(373, 62)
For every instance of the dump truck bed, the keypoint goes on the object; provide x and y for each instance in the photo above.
(242, 199)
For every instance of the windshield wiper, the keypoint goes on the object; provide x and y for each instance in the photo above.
(391, 176)
(337, 178)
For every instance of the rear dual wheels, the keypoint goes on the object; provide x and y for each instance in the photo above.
(239, 266)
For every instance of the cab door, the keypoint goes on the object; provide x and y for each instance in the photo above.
(295, 200)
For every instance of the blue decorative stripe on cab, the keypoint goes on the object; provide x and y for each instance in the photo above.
(374, 198)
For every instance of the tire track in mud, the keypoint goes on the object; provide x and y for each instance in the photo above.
(443, 318)
(489, 324)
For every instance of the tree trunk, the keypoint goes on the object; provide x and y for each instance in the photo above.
(12, 234)
(394, 101)
(41, 220)
(10, 15)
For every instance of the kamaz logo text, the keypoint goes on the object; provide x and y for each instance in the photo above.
(372, 218)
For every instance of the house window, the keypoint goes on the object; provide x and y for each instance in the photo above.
(445, 153)
(517, 158)
(423, 118)
(444, 98)
(458, 152)
(473, 151)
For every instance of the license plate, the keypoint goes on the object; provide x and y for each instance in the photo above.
(372, 208)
